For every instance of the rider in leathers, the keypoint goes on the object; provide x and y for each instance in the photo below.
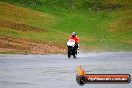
(77, 40)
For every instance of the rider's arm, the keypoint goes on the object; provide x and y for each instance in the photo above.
(77, 40)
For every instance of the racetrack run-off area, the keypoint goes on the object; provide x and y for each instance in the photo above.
(58, 71)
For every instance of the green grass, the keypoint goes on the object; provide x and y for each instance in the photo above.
(48, 37)
(106, 24)
(23, 15)
(17, 15)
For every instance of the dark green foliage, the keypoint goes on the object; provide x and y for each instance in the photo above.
(69, 4)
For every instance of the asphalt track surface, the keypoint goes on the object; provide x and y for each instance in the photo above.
(58, 71)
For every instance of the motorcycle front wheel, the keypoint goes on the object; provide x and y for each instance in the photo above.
(69, 54)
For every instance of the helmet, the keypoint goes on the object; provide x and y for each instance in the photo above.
(73, 34)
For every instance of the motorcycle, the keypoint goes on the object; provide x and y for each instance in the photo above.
(72, 49)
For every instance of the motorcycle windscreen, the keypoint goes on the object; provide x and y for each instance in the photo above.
(71, 42)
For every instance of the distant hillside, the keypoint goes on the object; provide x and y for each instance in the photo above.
(102, 25)
(60, 5)
(26, 31)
